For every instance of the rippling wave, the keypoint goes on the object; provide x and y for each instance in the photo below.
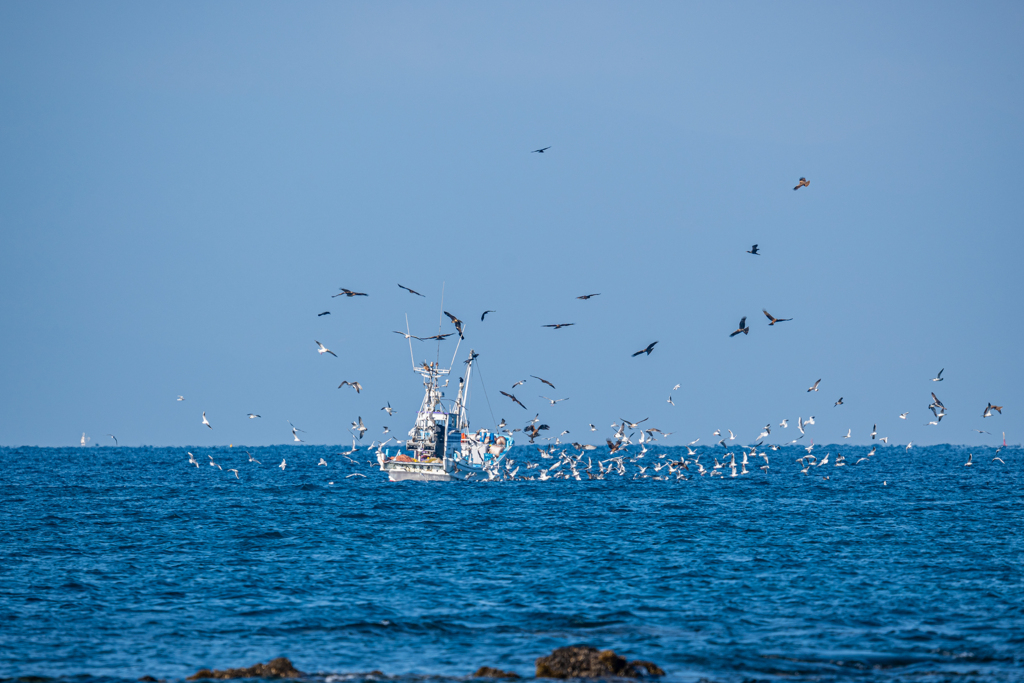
(119, 563)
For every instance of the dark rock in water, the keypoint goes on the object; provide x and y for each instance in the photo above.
(275, 668)
(490, 672)
(148, 679)
(583, 661)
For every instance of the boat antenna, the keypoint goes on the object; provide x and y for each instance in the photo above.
(457, 345)
(408, 338)
(440, 318)
(481, 376)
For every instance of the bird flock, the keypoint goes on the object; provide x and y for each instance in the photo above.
(574, 460)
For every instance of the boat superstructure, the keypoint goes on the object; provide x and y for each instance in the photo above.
(440, 446)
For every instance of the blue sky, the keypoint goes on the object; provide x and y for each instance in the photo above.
(183, 186)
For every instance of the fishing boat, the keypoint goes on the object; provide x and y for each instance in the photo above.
(441, 446)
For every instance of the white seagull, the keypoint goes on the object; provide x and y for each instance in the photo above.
(205, 421)
(815, 387)
(321, 349)
(938, 377)
(180, 398)
(253, 416)
(283, 463)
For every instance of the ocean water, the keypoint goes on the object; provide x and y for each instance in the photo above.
(119, 563)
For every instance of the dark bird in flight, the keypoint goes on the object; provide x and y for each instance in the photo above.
(588, 296)
(559, 325)
(839, 402)
(541, 150)
(989, 408)
(634, 425)
(543, 380)
(438, 337)
(457, 323)
(533, 431)
(411, 291)
(485, 313)
(647, 350)
(514, 399)
(804, 182)
(742, 328)
(774, 319)
(349, 293)
(355, 385)
(937, 403)
(324, 313)
(753, 250)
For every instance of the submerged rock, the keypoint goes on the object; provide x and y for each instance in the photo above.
(490, 672)
(583, 661)
(275, 668)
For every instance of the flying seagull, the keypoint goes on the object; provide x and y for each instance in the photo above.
(355, 385)
(407, 335)
(253, 416)
(180, 398)
(114, 438)
(647, 350)
(903, 416)
(742, 328)
(412, 291)
(774, 319)
(349, 293)
(815, 387)
(588, 296)
(541, 150)
(559, 325)
(522, 381)
(839, 402)
(554, 400)
(804, 182)
(484, 314)
(388, 409)
(938, 377)
(321, 349)
(205, 421)
(542, 380)
(989, 408)
(323, 314)
(514, 399)
(753, 250)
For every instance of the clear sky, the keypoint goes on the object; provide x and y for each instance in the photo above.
(183, 186)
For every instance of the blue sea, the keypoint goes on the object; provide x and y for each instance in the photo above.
(117, 563)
